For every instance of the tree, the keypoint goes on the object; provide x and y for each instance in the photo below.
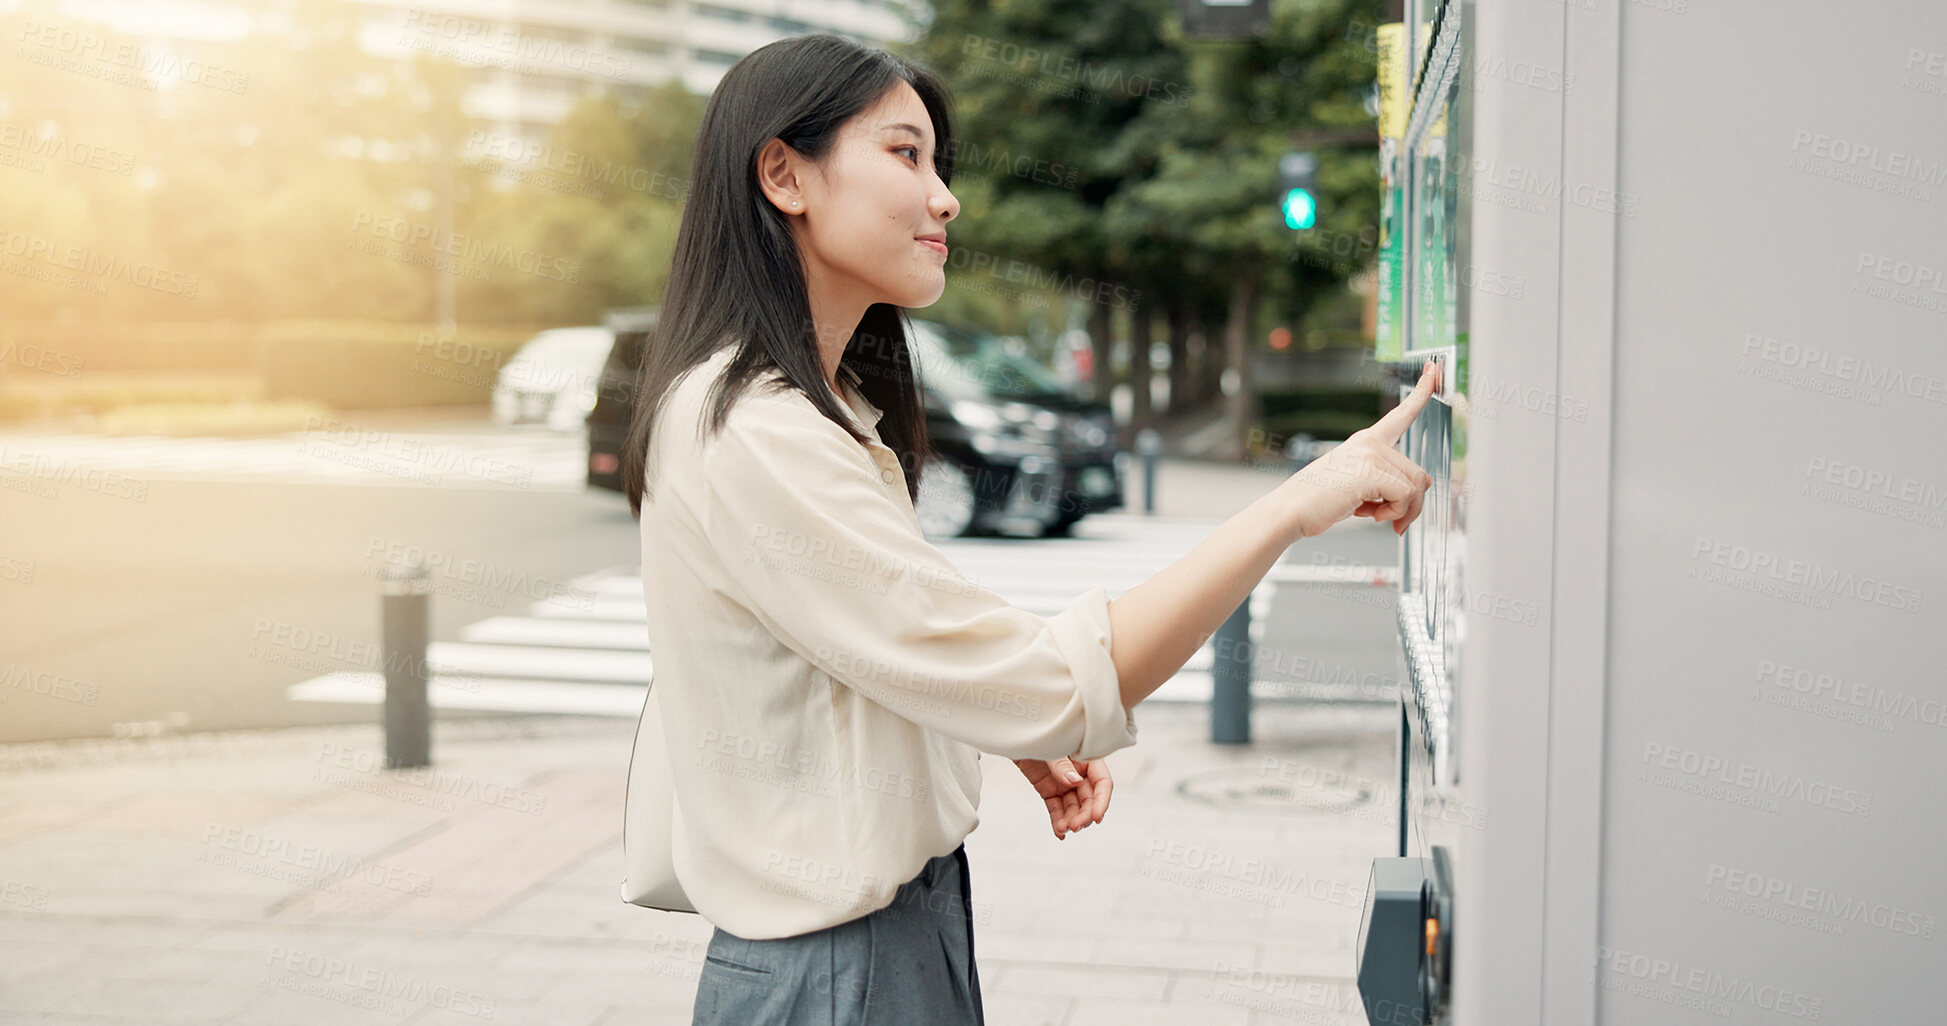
(1212, 198)
(1045, 92)
(1174, 146)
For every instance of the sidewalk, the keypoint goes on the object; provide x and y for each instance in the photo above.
(1196, 487)
(281, 877)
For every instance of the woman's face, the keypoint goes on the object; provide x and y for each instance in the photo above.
(865, 208)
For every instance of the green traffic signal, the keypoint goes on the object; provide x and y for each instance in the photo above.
(1300, 209)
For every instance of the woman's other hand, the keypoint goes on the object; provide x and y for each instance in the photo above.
(1077, 793)
(1365, 475)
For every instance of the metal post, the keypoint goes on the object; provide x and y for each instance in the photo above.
(1149, 445)
(1405, 768)
(405, 591)
(1230, 679)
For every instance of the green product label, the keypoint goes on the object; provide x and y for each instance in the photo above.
(1388, 333)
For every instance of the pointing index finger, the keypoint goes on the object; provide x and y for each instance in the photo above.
(1394, 424)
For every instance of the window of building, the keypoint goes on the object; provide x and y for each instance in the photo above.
(722, 13)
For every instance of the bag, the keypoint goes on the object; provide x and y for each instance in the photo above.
(649, 818)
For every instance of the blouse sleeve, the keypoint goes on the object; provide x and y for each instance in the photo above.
(831, 562)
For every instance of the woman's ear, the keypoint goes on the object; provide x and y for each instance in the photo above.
(778, 175)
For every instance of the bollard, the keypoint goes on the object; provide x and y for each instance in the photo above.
(405, 589)
(1230, 679)
(1149, 445)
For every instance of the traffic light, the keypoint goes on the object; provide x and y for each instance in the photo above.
(1298, 192)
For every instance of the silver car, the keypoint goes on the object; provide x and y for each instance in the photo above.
(552, 378)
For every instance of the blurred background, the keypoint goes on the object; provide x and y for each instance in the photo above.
(322, 631)
(322, 640)
(296, 289)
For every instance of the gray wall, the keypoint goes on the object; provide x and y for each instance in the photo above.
(1723, 508)
(1743, 255)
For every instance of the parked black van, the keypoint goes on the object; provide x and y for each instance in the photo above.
(1017, 453)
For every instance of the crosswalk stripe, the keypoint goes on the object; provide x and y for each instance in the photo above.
(532, 662)
(586, 650)
(556, 462)
(575, 607)
(558, 633)
(523, 696)
(621, 700)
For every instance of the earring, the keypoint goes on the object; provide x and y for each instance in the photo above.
(794, 203)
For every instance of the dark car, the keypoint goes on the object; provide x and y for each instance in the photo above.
(1015, 452)
(608, 421)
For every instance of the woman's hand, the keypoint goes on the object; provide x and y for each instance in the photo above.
(1077, 793)
(1365, 475)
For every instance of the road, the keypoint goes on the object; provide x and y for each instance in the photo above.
(160, 596)
(185, 587)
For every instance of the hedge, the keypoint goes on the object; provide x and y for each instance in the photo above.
(52, 370)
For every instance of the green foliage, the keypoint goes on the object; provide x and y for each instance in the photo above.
(1323, 425)
(1361, 401)
(305, 178)
(376, 365)
(311, 180)
(1105, 143)
(1323, 413)
(1045, 95)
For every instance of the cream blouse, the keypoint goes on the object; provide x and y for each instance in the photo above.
(827, 679)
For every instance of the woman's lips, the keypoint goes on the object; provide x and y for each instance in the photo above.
(937, 247)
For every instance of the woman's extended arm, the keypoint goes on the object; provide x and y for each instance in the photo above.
(1156, 626)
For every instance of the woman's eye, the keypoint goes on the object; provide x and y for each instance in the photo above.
(914, 150)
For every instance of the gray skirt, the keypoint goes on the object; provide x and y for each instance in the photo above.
(910, 962)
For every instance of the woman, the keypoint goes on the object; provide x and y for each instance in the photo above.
(827, 679)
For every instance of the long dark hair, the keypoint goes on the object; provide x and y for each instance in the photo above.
(737, 277)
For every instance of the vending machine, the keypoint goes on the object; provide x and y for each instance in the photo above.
(1405, 943)
(1667, 619)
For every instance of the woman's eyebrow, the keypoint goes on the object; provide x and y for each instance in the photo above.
(907, 127)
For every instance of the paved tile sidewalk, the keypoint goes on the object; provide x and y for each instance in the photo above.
(282, 877)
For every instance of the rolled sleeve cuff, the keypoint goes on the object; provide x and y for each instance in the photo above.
(1081, 631)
